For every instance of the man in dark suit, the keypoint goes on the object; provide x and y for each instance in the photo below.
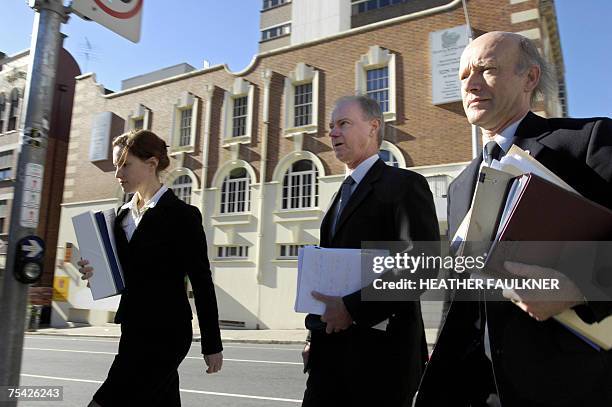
(514, 354)
(349, 361)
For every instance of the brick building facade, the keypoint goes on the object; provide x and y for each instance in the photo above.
(251, 148)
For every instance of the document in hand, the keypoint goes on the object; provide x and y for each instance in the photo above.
(334, 272)
(539, 211)
(94, 232)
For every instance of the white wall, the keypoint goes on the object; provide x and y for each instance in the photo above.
(311, 19)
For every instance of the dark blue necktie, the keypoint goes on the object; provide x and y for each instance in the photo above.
(345, 194)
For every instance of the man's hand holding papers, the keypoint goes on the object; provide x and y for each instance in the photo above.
(336, 316)
(542, 304)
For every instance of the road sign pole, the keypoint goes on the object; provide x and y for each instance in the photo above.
(40, 87)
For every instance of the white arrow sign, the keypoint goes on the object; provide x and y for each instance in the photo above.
(34, 248)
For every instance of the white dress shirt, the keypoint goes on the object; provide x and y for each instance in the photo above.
(131, 221)
(362, 169)
(505, 139)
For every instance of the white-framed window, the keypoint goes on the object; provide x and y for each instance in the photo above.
(289, 251)
(275, 32)
(3, 215)
(6, 165)
(235, 192)
(2, 110)
(301, 93)
(388, 157)
(240, 116)
(184, 126)
(300, 186)
(302, 105)
(138, 123)
(238, 112)
(139, 118)
(181, 187)
(375, 77)
(274, 3)
(232, 252)
(438, 185)
(13, 110)
(377, 86)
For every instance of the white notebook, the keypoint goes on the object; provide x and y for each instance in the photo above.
(94, 232)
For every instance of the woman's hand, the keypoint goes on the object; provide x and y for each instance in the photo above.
(85, 270)
(214, 362)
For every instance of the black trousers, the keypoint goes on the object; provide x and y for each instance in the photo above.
(365, 368)
(144, 371)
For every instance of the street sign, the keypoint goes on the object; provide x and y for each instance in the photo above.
(122, 17)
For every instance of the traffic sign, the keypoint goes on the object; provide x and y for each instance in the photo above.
(122, 17)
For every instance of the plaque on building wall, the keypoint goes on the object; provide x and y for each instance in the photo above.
(105, 127)
(446, 48)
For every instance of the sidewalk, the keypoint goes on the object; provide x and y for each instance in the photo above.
(269, 336)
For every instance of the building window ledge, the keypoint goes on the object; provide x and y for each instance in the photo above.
(230, 141)
(232, 218)
(309, 129)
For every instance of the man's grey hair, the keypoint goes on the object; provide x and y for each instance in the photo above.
(370, 109)
(530, 56)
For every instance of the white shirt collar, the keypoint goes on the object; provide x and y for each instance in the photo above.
(362, 169)
(132, 204)
(506, 137)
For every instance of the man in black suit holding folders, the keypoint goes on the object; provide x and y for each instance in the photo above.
(350, 363)
(514, 354)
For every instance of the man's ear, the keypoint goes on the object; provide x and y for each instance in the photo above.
(533, 78)
(375, 125)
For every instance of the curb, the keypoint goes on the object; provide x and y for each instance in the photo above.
(195, 338)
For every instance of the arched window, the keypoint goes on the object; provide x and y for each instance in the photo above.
(182, 188)
(300, 186)
(388, 157)
(12, 121)
(235, 192)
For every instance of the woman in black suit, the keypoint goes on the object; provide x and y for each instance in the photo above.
(160, 240)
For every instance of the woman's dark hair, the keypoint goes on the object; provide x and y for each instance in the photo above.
(143, 144)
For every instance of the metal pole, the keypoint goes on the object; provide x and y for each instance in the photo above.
(44, 53)
(475, 129)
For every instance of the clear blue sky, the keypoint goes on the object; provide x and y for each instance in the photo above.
(228, 31)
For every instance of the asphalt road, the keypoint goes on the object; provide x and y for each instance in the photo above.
(253, 375)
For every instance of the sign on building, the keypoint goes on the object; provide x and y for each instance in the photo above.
(105, 126)
(122, 17)
(446, 48)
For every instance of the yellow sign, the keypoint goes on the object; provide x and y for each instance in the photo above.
(60, 288)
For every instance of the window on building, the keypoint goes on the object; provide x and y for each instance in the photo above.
(240, 116)
(300, 186)
(438, 185)
(303, 105)
(2, 109)
(232, 252)
(235, 192)
(388, 157)
(273, 3)
(375, 77)
(6, 165)
(182, 188)
(138, 123)
(362, 6)
(377, 86)
(185, 128)
(275, 32)
(289, 251)
(14, 104)
(3, 215)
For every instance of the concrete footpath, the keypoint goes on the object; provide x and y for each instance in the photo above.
(269, 336)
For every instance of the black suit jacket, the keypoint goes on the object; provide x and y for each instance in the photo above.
(389, 204)
(168, 245)
(534, 363)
